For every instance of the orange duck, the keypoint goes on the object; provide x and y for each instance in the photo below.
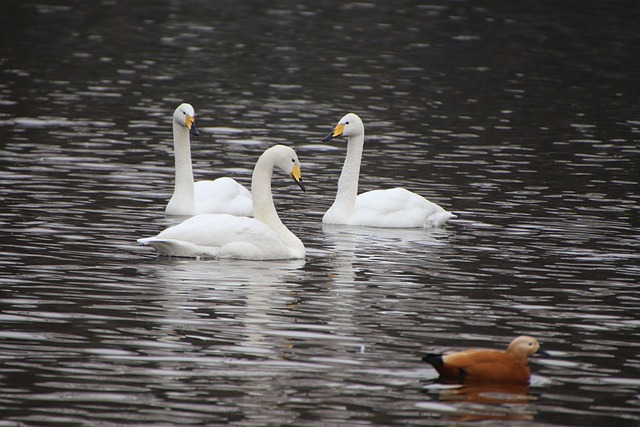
(488, 366)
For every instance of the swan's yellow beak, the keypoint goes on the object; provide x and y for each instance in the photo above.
(337, 131)
(296, 174)
(190, 121)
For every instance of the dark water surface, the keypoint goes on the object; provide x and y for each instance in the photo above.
(520, 117)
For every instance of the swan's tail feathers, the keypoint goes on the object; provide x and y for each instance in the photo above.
(439, 218)
(145, 241)
(179, 248)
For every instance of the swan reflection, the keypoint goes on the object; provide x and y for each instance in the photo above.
(230, 304)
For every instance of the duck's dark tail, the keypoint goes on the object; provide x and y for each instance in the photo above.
(447, 372)
(434, 359)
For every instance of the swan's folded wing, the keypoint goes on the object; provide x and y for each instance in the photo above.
(217, 230)
(223, 195)
(180, 248)
(219, 235)
(397, 207)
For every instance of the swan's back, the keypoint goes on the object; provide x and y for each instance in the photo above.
(397, 208)
(222, 195)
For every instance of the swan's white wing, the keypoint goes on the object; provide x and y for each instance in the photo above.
(397, 207)
(223, 195)
(180, 248)
(219, 235)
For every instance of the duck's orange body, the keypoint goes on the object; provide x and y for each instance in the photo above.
(490, 366)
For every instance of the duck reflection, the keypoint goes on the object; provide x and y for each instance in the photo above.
(482, 402)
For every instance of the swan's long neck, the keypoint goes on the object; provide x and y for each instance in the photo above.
(263, 208)
(348, 182)
(182, 201)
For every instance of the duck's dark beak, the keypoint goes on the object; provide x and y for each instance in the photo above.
(543, 352)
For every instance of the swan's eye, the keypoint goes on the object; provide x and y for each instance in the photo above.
(530, 344)
(293, 160)
(347, 123)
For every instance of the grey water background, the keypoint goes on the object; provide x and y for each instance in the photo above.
(520, 117)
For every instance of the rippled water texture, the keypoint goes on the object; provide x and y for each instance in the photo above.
(520, 117)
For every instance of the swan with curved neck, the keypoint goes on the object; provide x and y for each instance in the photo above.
(222, 195)
(392, 208)
(263, 237)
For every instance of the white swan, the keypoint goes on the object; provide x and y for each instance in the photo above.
(223, 195)
(263, 237)
(393, 208)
